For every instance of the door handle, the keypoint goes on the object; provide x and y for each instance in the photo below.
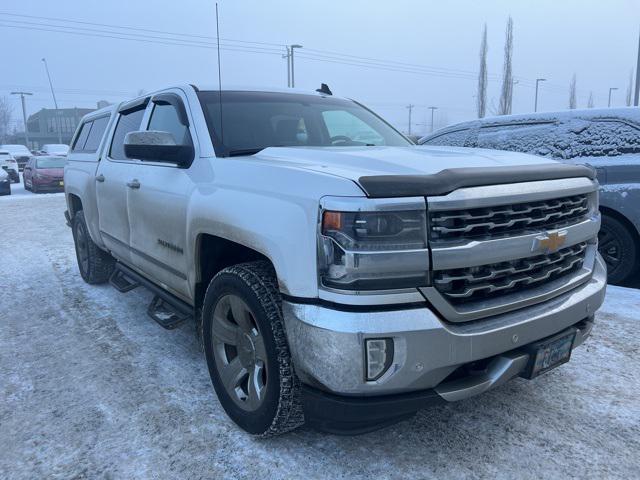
(100, 178)
(134, 184)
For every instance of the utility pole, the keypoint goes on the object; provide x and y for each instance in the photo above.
(410, 107)
(24, 116)
(636, 97)
(611, 90)
(538, 80)
(291, 49)
(288, 57)
(55, 102)
(433, 109)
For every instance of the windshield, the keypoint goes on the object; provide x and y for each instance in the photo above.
(256, 120)
(50, 162)
(56, 148)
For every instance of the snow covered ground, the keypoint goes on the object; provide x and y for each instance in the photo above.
(90, 387)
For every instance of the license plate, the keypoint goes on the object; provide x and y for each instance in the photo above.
(62, 184)
(549, 354)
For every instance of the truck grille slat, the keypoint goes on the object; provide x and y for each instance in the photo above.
(509, 220)
(486, 281)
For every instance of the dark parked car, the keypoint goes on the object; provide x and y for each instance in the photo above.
(5, 183)
(44, 174)
(606, 139)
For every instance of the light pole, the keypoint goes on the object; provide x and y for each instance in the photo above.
(433, 109)
(636, 97)
(611, 90)
(55, 102)
(24, 116)
(538, 80)
(288, 56)
(410, 107)
(293, 80)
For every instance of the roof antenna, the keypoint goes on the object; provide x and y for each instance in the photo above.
(219, 76)
(324, 88)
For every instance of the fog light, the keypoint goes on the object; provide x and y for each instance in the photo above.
(379, 355)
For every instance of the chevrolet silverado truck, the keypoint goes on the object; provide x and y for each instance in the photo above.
(336, 273)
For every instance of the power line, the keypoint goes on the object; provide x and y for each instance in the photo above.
(64, 20)
(193, 40)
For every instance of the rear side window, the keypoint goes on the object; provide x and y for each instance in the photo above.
(456, 138)
(600, 138)
(78, 145)
(96, 134)
(128, 122)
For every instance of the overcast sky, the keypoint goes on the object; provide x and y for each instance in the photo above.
(597, 40)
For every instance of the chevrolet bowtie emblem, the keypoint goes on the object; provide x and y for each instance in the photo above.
(550, 242)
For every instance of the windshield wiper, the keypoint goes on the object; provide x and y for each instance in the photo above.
(244, 151)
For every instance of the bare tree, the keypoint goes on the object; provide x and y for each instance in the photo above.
(6, 115)
(629, 98)
(482, 76)
(506, 95)
(572, 93)
(590, 101)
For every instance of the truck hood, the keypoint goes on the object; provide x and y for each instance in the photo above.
(356, 162)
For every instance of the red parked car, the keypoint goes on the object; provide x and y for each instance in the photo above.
(44, 174)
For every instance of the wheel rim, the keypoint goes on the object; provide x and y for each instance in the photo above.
(240, 354)
(610, 247)
(82, 248)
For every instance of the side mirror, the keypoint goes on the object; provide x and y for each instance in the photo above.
(157, 146)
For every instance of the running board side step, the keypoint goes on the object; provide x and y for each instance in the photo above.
(166, 309)
(121, 282)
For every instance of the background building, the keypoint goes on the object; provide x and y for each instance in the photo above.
(43, 126)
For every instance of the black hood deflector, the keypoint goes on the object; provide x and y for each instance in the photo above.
(450, 179)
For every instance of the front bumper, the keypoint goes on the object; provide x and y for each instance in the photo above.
(49, 185)
(327, 344)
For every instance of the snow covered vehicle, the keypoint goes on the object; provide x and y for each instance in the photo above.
(337, 273)
(607, 139)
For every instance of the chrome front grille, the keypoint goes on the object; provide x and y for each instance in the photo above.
(507, 220)
(487, 281)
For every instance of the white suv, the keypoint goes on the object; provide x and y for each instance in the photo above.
(9, 165)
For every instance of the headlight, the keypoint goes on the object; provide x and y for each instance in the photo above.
(367, 244)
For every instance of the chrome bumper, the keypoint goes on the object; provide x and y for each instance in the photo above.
(327, 344)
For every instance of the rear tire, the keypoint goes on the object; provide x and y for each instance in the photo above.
(618, 247)
(247, 352)
(96, 265)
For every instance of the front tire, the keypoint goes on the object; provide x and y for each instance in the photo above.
(617, 246)
(247, 352)
(96, 265)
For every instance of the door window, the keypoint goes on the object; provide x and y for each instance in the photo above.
(128, 122)
(164, 118)
(536, 138)
(96, 134)
(78, 145)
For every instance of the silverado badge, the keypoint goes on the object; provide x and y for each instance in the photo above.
(549, 242)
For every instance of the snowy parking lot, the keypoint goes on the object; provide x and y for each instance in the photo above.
(90, 387)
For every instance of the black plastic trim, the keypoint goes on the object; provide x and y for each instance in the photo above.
(355, 415)
(180, 306)
(448, 180)
(342, 307)
(134, 105)
(156, 262)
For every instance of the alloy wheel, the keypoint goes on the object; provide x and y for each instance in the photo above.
(240, 354)
(610, 247)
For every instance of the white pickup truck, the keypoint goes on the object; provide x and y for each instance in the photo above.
(337, 273)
